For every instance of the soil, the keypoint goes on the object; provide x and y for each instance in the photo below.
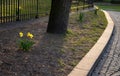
(44, 59)
(51, 55)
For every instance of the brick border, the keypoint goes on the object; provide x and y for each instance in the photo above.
(86, 64)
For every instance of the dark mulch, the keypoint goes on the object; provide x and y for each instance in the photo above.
(44, 59)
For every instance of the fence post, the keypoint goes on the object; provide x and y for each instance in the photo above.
(37, 16)
(1, 11)
(18, 12)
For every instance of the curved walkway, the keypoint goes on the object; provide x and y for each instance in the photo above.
(109, 64)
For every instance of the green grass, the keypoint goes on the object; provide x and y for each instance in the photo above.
(110, 7)
(81, 36)
(88, 31)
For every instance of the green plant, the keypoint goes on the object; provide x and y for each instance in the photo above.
(96, 10)
(69, 31)
(25, 43)
(81, 16)
(61, 62)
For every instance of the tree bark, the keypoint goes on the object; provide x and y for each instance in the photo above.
(59, 16)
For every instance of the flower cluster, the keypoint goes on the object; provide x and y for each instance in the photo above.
(25, 43)
(28, 34)
(20, 34)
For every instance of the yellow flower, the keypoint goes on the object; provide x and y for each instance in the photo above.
(21, 34)
(29, 35)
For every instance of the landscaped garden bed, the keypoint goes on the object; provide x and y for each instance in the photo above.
(52, 54)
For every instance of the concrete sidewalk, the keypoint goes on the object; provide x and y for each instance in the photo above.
(109, 64)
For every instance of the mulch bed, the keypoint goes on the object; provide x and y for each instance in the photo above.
(51, 55)
(44, 59)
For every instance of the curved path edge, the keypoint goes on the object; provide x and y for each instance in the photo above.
(86, 65)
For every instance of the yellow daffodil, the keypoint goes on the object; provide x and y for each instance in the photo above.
(29, 35)
(21, 34)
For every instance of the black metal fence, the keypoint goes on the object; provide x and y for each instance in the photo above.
(81, 4)
(18, 10)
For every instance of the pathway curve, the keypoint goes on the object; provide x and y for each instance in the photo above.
(109, 64)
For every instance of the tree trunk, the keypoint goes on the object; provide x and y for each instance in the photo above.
(59, 16)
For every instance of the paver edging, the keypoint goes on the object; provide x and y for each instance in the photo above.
(85, 66)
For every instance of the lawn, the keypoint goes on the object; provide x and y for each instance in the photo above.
(110, 7)
(52, 54)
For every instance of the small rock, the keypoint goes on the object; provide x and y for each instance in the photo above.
(1, 62)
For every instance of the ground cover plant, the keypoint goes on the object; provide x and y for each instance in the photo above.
(51, 54)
